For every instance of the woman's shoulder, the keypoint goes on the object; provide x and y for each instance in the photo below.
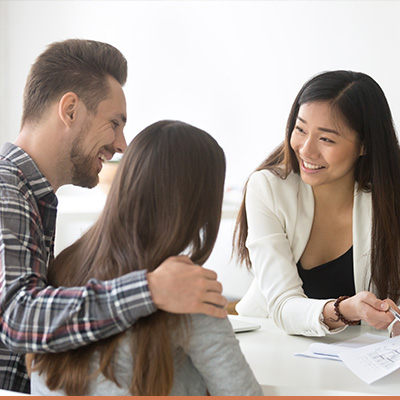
(202, 322)
(275, 182)
(204, 328)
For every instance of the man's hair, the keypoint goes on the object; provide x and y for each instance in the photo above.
(74, 65)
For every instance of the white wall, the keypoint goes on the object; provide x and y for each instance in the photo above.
(232, 68)
(4, 109)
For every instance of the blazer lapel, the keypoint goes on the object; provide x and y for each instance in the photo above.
(305, 217)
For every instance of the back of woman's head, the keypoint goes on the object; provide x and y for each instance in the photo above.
(165, 199)
(169, 192)
(360, 102)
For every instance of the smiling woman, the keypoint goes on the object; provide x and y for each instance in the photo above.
(320, 223)
(326, 148)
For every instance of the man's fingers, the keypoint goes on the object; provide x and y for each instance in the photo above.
(212, 286)
(209, 274)
(212, 310)
(215, 299)
(179, 286)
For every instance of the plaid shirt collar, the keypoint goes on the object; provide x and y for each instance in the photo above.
(38, 183)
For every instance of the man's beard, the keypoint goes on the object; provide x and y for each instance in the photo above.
(83, 166)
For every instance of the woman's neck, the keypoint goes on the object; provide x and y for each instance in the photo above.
(335, 197)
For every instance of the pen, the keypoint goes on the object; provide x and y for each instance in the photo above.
(395, 313)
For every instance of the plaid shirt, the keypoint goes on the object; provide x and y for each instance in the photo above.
(34, 316)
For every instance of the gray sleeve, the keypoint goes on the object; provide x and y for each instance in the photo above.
(215, 352)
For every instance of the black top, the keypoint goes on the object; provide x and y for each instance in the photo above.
(330, 280)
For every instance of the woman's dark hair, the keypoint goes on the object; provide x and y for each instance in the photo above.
(165, 199)
(360, 102)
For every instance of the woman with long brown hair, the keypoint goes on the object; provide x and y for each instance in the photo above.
(165, 200)
(320, 221)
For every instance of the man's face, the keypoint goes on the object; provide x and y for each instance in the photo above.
(100, 136)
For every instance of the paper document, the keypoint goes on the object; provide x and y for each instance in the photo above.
(375, 361)
(331, 351)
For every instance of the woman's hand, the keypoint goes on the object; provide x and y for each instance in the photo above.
(362, 306)
(396, 326)
(365, 306)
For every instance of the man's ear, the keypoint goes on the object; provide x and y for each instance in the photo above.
(67, 108)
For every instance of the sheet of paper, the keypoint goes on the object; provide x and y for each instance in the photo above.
(331, 351)
(375, 361)
(310, 354)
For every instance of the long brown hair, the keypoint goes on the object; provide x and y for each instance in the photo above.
(166, 199)
(358, 99)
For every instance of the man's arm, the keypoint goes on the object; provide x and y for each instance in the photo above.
(36, 317)
(39, 318)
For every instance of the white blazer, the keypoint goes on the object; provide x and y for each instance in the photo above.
(280, 215)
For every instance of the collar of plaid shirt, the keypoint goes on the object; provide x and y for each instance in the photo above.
(37, 181)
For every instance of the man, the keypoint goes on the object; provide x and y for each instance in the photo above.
(73, 119)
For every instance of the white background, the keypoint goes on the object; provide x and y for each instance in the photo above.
(232, 68)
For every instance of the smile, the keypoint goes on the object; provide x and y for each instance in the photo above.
(103, 157)
(311, 166)
(106, 155)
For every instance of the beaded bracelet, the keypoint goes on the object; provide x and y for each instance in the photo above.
(338, 313)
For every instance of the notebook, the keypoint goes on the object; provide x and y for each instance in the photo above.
(240, 325)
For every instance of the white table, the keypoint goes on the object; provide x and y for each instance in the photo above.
(7, 393)
(270, 354)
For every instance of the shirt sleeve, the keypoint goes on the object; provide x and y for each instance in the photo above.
(38, 318)
(273, 261)
(215, 352)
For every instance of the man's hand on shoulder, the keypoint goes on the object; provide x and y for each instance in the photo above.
(181, 287)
